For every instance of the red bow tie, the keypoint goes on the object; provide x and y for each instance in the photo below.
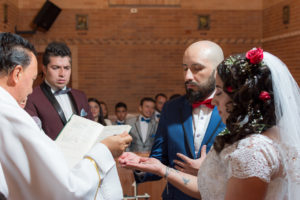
(206, 102)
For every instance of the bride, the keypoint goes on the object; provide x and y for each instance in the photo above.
(257, 155)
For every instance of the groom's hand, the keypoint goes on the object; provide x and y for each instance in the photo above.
(188, 165)
(128, 157)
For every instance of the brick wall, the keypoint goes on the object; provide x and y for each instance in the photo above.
(125, 56)
(283, 40)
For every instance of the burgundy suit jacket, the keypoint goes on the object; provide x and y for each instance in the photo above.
(39, 105)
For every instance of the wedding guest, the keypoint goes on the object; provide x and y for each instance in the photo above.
(105, 113)
(121, 113)
(160, 100)
(32, 165)
(52, 101)
(96, 111)
(143, 127)
(258, 155)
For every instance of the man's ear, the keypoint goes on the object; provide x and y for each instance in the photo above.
(15, 75)
(140, 108)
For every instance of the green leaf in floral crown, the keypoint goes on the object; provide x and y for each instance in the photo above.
(224, 132)
(229, 61)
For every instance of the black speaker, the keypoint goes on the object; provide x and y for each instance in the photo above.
(46, 16)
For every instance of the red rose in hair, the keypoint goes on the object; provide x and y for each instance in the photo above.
(264, 96)
(255, 55)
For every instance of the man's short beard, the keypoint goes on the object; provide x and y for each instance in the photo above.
(203, 90)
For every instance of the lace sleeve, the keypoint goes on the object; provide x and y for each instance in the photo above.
(253, 157)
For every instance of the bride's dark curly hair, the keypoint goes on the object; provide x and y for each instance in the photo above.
(252, 107)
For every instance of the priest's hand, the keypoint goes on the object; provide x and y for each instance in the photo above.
(117, 143)
(188, 165)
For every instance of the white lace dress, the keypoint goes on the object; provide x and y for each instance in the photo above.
(254, 156)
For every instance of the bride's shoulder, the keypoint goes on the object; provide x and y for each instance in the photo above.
(250, 145)
(254, 156)
(269, 138)
(255, 140)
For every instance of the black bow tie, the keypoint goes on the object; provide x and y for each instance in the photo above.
(59, 92)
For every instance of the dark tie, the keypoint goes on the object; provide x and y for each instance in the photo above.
(145, 120)
(158, 115)
(59, 92)
(206, 102)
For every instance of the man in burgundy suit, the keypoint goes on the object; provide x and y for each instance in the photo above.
(53, 102)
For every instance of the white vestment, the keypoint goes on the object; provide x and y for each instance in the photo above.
(35, 169)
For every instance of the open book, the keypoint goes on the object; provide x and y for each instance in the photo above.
(80, 134)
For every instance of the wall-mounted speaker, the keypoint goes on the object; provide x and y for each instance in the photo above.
(46, 16)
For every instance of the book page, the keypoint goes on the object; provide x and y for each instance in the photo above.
(113, 130)
(80, 134)
(77, 138)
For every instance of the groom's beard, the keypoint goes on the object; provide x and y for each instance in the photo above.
(203, 90)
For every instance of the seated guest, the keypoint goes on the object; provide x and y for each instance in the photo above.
(32, 164)
(121, 113)
(143, 127)
(105, 113)
(160, 100)
(96, 111)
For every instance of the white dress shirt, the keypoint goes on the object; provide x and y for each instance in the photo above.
(107, 122)
(144, 127)
(156, 115)
(64, 102)
(35, 169)
(201, 118)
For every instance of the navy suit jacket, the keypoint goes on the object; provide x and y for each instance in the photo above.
(175, 135)
(39, 105)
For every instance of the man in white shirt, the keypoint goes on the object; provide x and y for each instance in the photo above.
(52, 101)
(32, 165)
(143, 127)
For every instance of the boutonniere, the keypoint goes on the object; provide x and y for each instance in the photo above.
(83, 113)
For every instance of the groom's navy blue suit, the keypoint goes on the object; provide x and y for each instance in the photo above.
(175, 135)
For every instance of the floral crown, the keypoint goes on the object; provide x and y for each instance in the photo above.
(253, 61)
(248, 68)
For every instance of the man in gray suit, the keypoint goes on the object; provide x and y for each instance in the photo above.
(143, 127)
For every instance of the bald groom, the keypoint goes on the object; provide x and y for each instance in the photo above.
(189, 122)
